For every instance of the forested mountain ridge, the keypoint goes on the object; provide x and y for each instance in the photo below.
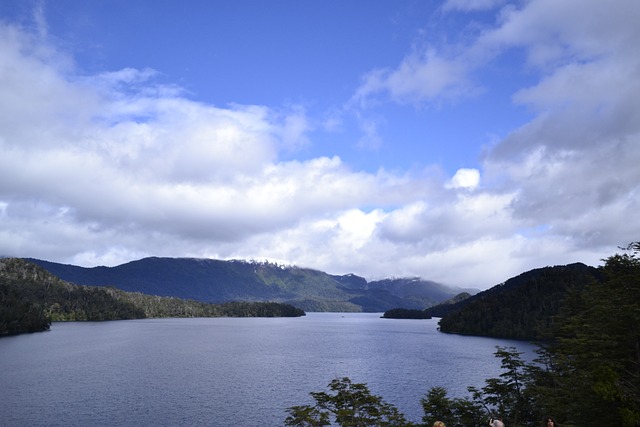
(31, 298)
(523, 307)
(210, 280)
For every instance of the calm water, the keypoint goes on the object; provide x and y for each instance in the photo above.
(227, 372)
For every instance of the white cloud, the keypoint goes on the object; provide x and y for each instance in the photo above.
(555, 33)
(422, 75)
(571, 172)
(575, 164)
(294, 129)
(102, 169)
(465, 178)
(371, 138)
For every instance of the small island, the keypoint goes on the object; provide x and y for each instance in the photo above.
(405, 313)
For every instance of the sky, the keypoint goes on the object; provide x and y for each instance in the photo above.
(459, 141)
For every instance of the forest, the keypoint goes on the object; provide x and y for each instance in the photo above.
(586, 374)
(31, 298)
(521, 308)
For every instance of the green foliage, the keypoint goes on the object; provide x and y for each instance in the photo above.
(593, 367)
(506, 395)
(462, 412)
(521, 308)
(31, 298)
(437, 406)
(349, 404)
(259, 309)
(17, 315)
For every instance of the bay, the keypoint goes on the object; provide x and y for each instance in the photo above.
(228, 371)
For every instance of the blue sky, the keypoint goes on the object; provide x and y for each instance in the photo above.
(459, 141)
(307, 55)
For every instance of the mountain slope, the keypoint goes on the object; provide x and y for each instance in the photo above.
(31, 297)
(210, 280)
(520, 308)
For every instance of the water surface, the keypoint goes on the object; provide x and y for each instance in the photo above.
(228, 371)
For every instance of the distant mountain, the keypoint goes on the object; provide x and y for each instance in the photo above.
(448, 306)
(520, 308)
(31, 298)
(424, 293)
(439, 310)
(210, 280)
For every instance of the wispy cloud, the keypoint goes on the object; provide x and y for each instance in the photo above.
(423, 75)
(472, 5)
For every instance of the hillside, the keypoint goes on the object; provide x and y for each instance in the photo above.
(216, 281)
(520, 308)
(31, 298)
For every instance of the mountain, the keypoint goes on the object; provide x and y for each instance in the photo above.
(439, 310)
(31, 298)
(523, 307)
(210, 280)
(424, 293)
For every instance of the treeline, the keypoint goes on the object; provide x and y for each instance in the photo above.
(405, 313)
(586, 375)
(31, 298)
(427, 313)
(523, 307)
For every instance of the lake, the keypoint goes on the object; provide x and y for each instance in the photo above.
(228, 371)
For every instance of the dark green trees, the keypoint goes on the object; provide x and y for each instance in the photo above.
(405, 313)
(521, 308)
(437, 406)
(31, 298)
(17, 315)
(592, 374)
(349, 404)
(588, 372)
(505, 397)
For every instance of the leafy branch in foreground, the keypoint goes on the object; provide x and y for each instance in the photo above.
(349, 404)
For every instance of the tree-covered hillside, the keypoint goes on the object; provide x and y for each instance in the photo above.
(31, 298)
(217, 281)
(521, 308)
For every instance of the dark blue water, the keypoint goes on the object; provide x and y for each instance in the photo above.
(227, 372)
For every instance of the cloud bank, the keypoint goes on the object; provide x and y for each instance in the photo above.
(102, 169)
